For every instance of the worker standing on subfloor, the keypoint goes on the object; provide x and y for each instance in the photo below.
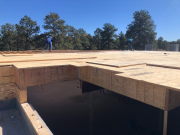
(49, 44)
(129, 43)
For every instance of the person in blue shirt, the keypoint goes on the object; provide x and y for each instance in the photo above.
(49, 44)
(129, 43)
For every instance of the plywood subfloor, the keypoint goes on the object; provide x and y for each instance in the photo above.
(132, 64)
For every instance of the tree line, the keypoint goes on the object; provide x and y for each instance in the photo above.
(26, 35)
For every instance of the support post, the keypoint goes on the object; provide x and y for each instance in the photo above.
(78, 72)
(165, 123)
(161, 117)
(90, 113)
(21, 95)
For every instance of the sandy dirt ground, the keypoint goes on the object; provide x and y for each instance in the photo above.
(11, 123)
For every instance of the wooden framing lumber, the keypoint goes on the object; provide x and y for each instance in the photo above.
(142, 91)
(33, 120)
(155, 83)
(38, 76)
(21, 95)
(7, 91)
(165, 122)
(173, 100)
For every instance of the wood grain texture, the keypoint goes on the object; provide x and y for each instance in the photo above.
(34, 120)
(38, 76)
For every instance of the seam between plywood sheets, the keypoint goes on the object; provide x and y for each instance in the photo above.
(46, 60)
(164, 66)
(115, 65)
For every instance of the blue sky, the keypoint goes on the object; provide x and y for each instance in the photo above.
(91, 14)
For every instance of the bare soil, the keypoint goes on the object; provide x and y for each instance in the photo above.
(11, 123)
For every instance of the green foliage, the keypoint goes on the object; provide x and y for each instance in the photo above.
(122, 41)
(162, 44)
(55, 27)
(107, 36)
(141, 29)
(27, 28)
(38, 41)
(97, 38)
(8, 37)
(74, 37)
(159, 43)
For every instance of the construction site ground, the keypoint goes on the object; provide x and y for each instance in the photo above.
(11, 123)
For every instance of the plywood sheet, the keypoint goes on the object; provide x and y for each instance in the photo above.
(115, 63)
(12, 55)
(38, 76)
(173, 100)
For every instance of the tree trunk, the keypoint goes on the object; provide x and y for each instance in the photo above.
(26, 45)
(10, 47)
